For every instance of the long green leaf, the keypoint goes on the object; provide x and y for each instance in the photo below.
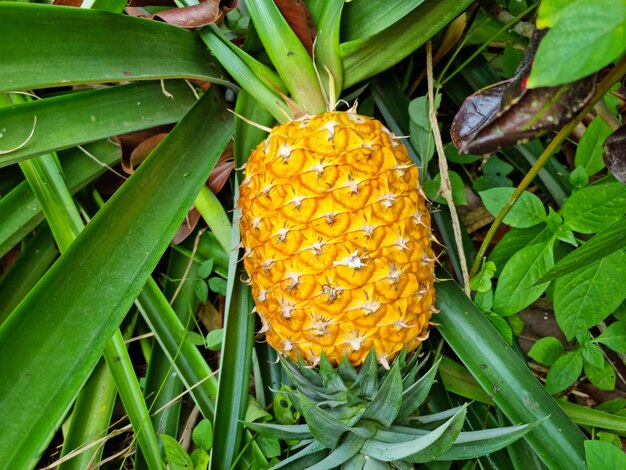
(44, 45)
(327, 50)
(288, 55)
(34, 261)
(364, 18)
(75, 118)
(506, 378)
(364, 58)
(77, 306)
(20, 211)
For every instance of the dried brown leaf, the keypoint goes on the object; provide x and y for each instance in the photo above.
(196, 16)
(141, 152)
(300, 20)
(187, 227)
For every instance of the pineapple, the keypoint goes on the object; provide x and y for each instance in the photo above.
(337, 240)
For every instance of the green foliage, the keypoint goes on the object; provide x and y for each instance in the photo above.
(604, 456)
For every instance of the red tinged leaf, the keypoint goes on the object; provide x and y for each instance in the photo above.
(222, 171)
(300, 20)
(508, 113)
(615, 154)
(68, 3)
(141, 152)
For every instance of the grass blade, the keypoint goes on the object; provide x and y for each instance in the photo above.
(118, 249)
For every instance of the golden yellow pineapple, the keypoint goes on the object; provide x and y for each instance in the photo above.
(337, 240)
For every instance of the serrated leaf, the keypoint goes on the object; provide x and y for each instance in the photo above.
(367, 380)
(606, 242)
(282, 431)
(584, 298)
(588, 35)
(564, 372)
(422, 449)
(527, 211)
(325, 427)
(516, 287)
(614, 337)
(602, 377)
(604, 456)
(348, 448)
(593, 208)
(592, 354)
(415, 395)
(386, 404)
(470, 445)
(546, 350)
(330, 378)
(202, 434)
(591, 146)
(177, 457)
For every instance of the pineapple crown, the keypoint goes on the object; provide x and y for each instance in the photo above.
(367, 419)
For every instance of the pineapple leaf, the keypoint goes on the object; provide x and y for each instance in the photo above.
(282, 431)
(325, 427)
(85, 116)
(415, 395)
(365, 18)
(413, 366)
(327, 53)
(301, 382)
(430, 419)
(367, 380)
(422, 449)
(329, 376)
(288, 55)
(386, 404)
(310, 450)
(346, 370)
(348, 448)
(470, 445)
(76, 46)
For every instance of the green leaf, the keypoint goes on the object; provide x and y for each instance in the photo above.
(516, 287)
(282, 431)
(527, 211)
(592, 354)
(348, 448)
(415, 395)
(482, 281)
(579, 177)
(327, 52)
(564, 372)
(502, 326)
(505, 378)
(325, 427)
(363, 18)
(421, 136)
(177, 457)
(218, 285)
(385, 406)
(205, 269)
(608, 241)
(588, 35)
(202, 291)
(288, 55)
(549, 11)
(614, 337)
(514, 240)
(202, 434)
(431, 187)
(470, 445)
(586, 297)
(366, 57)
(484, 300)
(77, 47)
(591, 146)
(546, 350)
(270, 446)
(602, 377)
(118, 249)
(593, 208)
(214, 339)
(494, 175)
(422, 449)
(604, 456)
(85, 116)
(200, 459)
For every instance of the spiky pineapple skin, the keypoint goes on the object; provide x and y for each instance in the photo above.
(337, 240)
